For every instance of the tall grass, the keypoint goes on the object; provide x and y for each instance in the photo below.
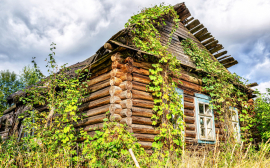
(220, 155)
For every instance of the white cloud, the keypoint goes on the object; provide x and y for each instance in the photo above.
(262, 86)
(80, 27)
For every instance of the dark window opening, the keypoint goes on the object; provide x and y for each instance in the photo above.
(180, 38)
(3, 126)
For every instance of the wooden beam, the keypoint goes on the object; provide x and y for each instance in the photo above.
(201, 32)
(211, 45)
(208, 41)
(252, 84)
(228, 60)
(196, 28)
(205, 36)
(224, 57)
(220, 54)
(189, 20)
(231, 64)
(216, 49)
(193, 24)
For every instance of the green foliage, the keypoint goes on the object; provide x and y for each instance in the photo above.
(262, 113)
(226, 89)
(29, 76)
(9, 83)
(168, 106)
(109, 147)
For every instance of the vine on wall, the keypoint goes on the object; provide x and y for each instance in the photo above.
(168, 106)
(226, 89)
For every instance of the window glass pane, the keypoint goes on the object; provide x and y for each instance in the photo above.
(207, 109)
(208, 123)
(209, 133)
(202, 127)
(201, 111)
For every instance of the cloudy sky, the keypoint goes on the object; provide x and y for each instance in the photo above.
(81, 27)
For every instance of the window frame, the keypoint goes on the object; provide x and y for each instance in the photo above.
(180, 92)
(204, 99)
(238, 138)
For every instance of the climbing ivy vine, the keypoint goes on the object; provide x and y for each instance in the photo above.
(168, 106)
(226, 89)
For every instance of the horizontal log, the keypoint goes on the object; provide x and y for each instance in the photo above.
(93, 127)
(191, 79)
(126, 85)
(140, 86)
(143, 112)
(141, 120)
(144, 129)
(136, 94)
(143, 103)
(189, 106)
(145, 137)
(99, 79)
(97, 111)
(141, 78)
(126, 94)
(144, 65)
(190, 120)
(145, 145)
(128, 103)
(99, 72)
(98, 86)
(115, 117)
(140, 71)
(95, 103)
(126, 113)
(189, 112)
(100, 102)
(188, 85)
(190, 127)
(91, 120)
(189, 99)
(126, 120)
(111, 90)
(191, 134)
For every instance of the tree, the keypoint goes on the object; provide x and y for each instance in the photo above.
(29, 76)
(9, 83)
(262, 111)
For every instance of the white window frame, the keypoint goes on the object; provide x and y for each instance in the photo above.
(204, 100)
(235, 123)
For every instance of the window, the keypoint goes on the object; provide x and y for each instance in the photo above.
(204, 119)
(235, 123)
(181, 93)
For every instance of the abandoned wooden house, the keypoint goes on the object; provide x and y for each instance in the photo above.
(118, 84)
